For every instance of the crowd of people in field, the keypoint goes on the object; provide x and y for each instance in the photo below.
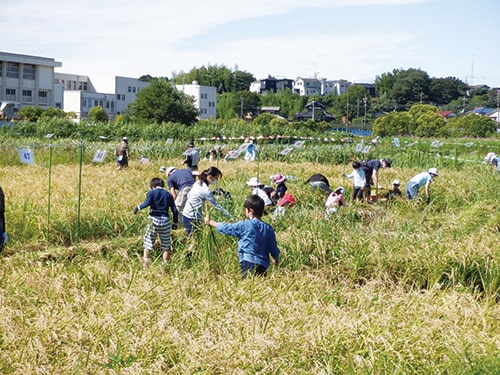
(183, 199)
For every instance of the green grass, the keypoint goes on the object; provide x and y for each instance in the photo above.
(400, 288)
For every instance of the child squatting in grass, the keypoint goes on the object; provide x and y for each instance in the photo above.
(159, 201)
(256, 239)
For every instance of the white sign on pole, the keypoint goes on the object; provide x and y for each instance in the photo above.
(26, 156)
(366, 150)
(359, 147)
(99, 156)
(396, 142)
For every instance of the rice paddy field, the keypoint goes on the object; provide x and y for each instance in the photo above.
(387, 288)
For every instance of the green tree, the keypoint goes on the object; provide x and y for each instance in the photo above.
(411, 86)
(30, 113)
(445, 90)
(245, 102)
(471, 125)
(161, 102)
(97, 114)
(394, 123)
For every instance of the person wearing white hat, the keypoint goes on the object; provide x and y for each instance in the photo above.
(494, 160)
(257, 186)
(179, 182)
(395, 192)
(420, 180)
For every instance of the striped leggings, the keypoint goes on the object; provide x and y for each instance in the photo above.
(158, 226)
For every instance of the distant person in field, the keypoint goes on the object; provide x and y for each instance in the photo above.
(199, 194)
(256, 239)
(358, 181)
(371, 168)
(192, 156)
(159, 202)
(423, 179)
(494, 160)
(319, 181)
(251, 150)
(122, 153)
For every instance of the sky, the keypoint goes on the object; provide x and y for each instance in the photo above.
(356, 40)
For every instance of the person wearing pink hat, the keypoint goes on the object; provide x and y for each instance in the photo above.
(280, 190)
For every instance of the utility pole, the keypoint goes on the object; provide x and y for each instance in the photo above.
(365, 100)
(241, 107)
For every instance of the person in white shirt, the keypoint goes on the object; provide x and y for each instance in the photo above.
(199, 194)
(257, 186)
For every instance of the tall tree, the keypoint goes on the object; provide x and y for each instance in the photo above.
(161, 102)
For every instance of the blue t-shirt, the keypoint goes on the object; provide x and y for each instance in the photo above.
(256, 240)
(421, 179)
(180, 179)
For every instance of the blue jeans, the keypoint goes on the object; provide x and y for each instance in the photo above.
(190, 225)
(411, 190)
(249, 268)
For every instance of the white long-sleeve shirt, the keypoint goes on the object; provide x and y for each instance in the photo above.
(199, 194)
(358, 178)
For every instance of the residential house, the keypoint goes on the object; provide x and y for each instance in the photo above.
(307, 86)
(271, 84)
(315, 111)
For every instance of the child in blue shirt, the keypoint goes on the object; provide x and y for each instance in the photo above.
(256, 239)
(159, 202)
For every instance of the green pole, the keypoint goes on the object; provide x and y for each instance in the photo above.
(48, 199)
(79, 193)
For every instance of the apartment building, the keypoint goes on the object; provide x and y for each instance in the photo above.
(126, 90)
(205, 99)
(26, 81)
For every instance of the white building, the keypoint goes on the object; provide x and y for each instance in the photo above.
(26, 81)
(307, 86)
(126, 90)
(205, 99)
(80, 102)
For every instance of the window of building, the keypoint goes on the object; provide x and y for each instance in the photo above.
(123, 97)
(96, 103)
(118, 96)
(84, 103)
(27, 96)
(129, 89)
(29, 72)
(133, 89)
(12, 70)
(1, 68)
(10, 94)
(43, 97)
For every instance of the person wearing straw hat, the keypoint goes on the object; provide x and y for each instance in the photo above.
(423, 179)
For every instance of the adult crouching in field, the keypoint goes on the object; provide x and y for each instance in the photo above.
(180, 183)
(371, 168)
(122, 154)
(421, 179)
(159, 202)
(319, 181)
(256, 239)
